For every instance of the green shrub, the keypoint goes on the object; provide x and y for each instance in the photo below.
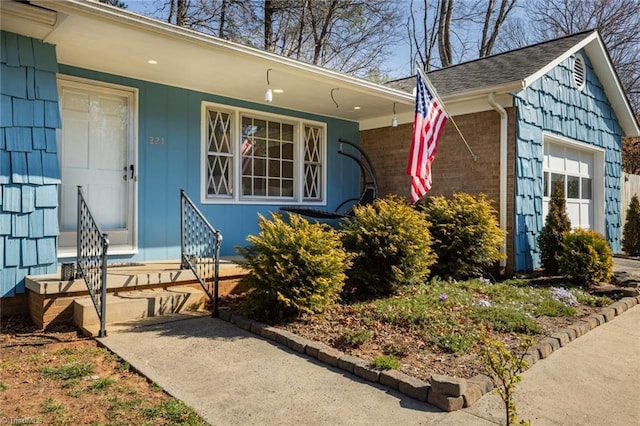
(293, 268)
(68, 371)
(553, 308)
(386, 362)
(505, 320)
(454, 341)
(586, 257)
(631, 230)
(556, 225)
(391, 245)
(355, 338)
(466, 232)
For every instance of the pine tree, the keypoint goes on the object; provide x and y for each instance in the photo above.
(631, 230)
(556, 224)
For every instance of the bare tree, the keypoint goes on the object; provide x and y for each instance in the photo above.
(116, 3)
(631, 155)
(617, 21)
(462, 30)
(493, 23)
(423, 41)
(353, 36)
(444, 32)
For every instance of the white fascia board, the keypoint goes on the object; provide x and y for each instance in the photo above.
(607, 75)
(25, 19)
(551, 65)
(469, 105)
(613, 87)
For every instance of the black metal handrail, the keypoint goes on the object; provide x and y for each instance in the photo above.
(92, 259)
(200, 248)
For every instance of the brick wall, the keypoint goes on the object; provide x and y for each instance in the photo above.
(453, 170)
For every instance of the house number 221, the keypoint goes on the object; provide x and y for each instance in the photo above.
(156, 140)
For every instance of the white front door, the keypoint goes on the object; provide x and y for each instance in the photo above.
(97, 152)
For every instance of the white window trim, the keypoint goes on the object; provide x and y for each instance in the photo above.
(298, 173)
(598, 190)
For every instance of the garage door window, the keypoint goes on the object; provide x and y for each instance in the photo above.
(575, 187)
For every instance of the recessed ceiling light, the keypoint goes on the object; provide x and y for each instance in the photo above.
(152, 62)
(356, 107)
(278, 91)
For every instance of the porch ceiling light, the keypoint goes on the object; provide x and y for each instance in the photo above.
(268, 94)
(394, 120)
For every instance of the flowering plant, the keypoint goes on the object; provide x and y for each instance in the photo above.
(484, 303)
(563, 295)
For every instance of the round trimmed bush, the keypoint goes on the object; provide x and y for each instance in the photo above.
(586, 257)
(391, 245)
(466, 234)
(293, 267)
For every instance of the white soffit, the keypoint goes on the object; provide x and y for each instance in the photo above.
(110, 40)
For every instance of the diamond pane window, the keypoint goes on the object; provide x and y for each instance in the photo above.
(219, 174)
(312, 162)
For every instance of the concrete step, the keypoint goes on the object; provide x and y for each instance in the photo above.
(132, 305)
(50, 300)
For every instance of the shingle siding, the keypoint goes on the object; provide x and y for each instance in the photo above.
(29, 171)
(552, 104)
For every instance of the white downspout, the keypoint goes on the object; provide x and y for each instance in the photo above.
(503, 175)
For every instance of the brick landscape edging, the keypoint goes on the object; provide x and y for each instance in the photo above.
(445, 392)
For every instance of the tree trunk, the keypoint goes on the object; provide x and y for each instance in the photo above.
(320, 39)
(489, 40)
(181, 13)
(223, 18)
(268, 25)
(444, 32)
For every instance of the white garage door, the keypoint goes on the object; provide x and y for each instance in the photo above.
(574, 169)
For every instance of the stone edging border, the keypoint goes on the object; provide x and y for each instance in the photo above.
(446, 393)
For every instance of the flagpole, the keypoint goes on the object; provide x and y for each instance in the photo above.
(435, 93)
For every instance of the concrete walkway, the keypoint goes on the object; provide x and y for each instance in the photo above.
(231, 377)
(594, 381)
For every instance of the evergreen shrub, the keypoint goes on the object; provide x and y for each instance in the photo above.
(586, 257)
(293, 267)
(556, 225)
(631, 230)
(391, 245)
(466, 232)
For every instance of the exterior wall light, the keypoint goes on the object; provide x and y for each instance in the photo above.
(268, 94)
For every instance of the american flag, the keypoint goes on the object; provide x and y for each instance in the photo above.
(430, 118)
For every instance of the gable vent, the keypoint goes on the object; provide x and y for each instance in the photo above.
(579, 72)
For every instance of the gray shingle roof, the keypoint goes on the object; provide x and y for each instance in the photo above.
(502, 68)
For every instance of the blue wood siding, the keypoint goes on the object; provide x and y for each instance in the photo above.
(174, 114)
(29, 171)
(552, 104)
